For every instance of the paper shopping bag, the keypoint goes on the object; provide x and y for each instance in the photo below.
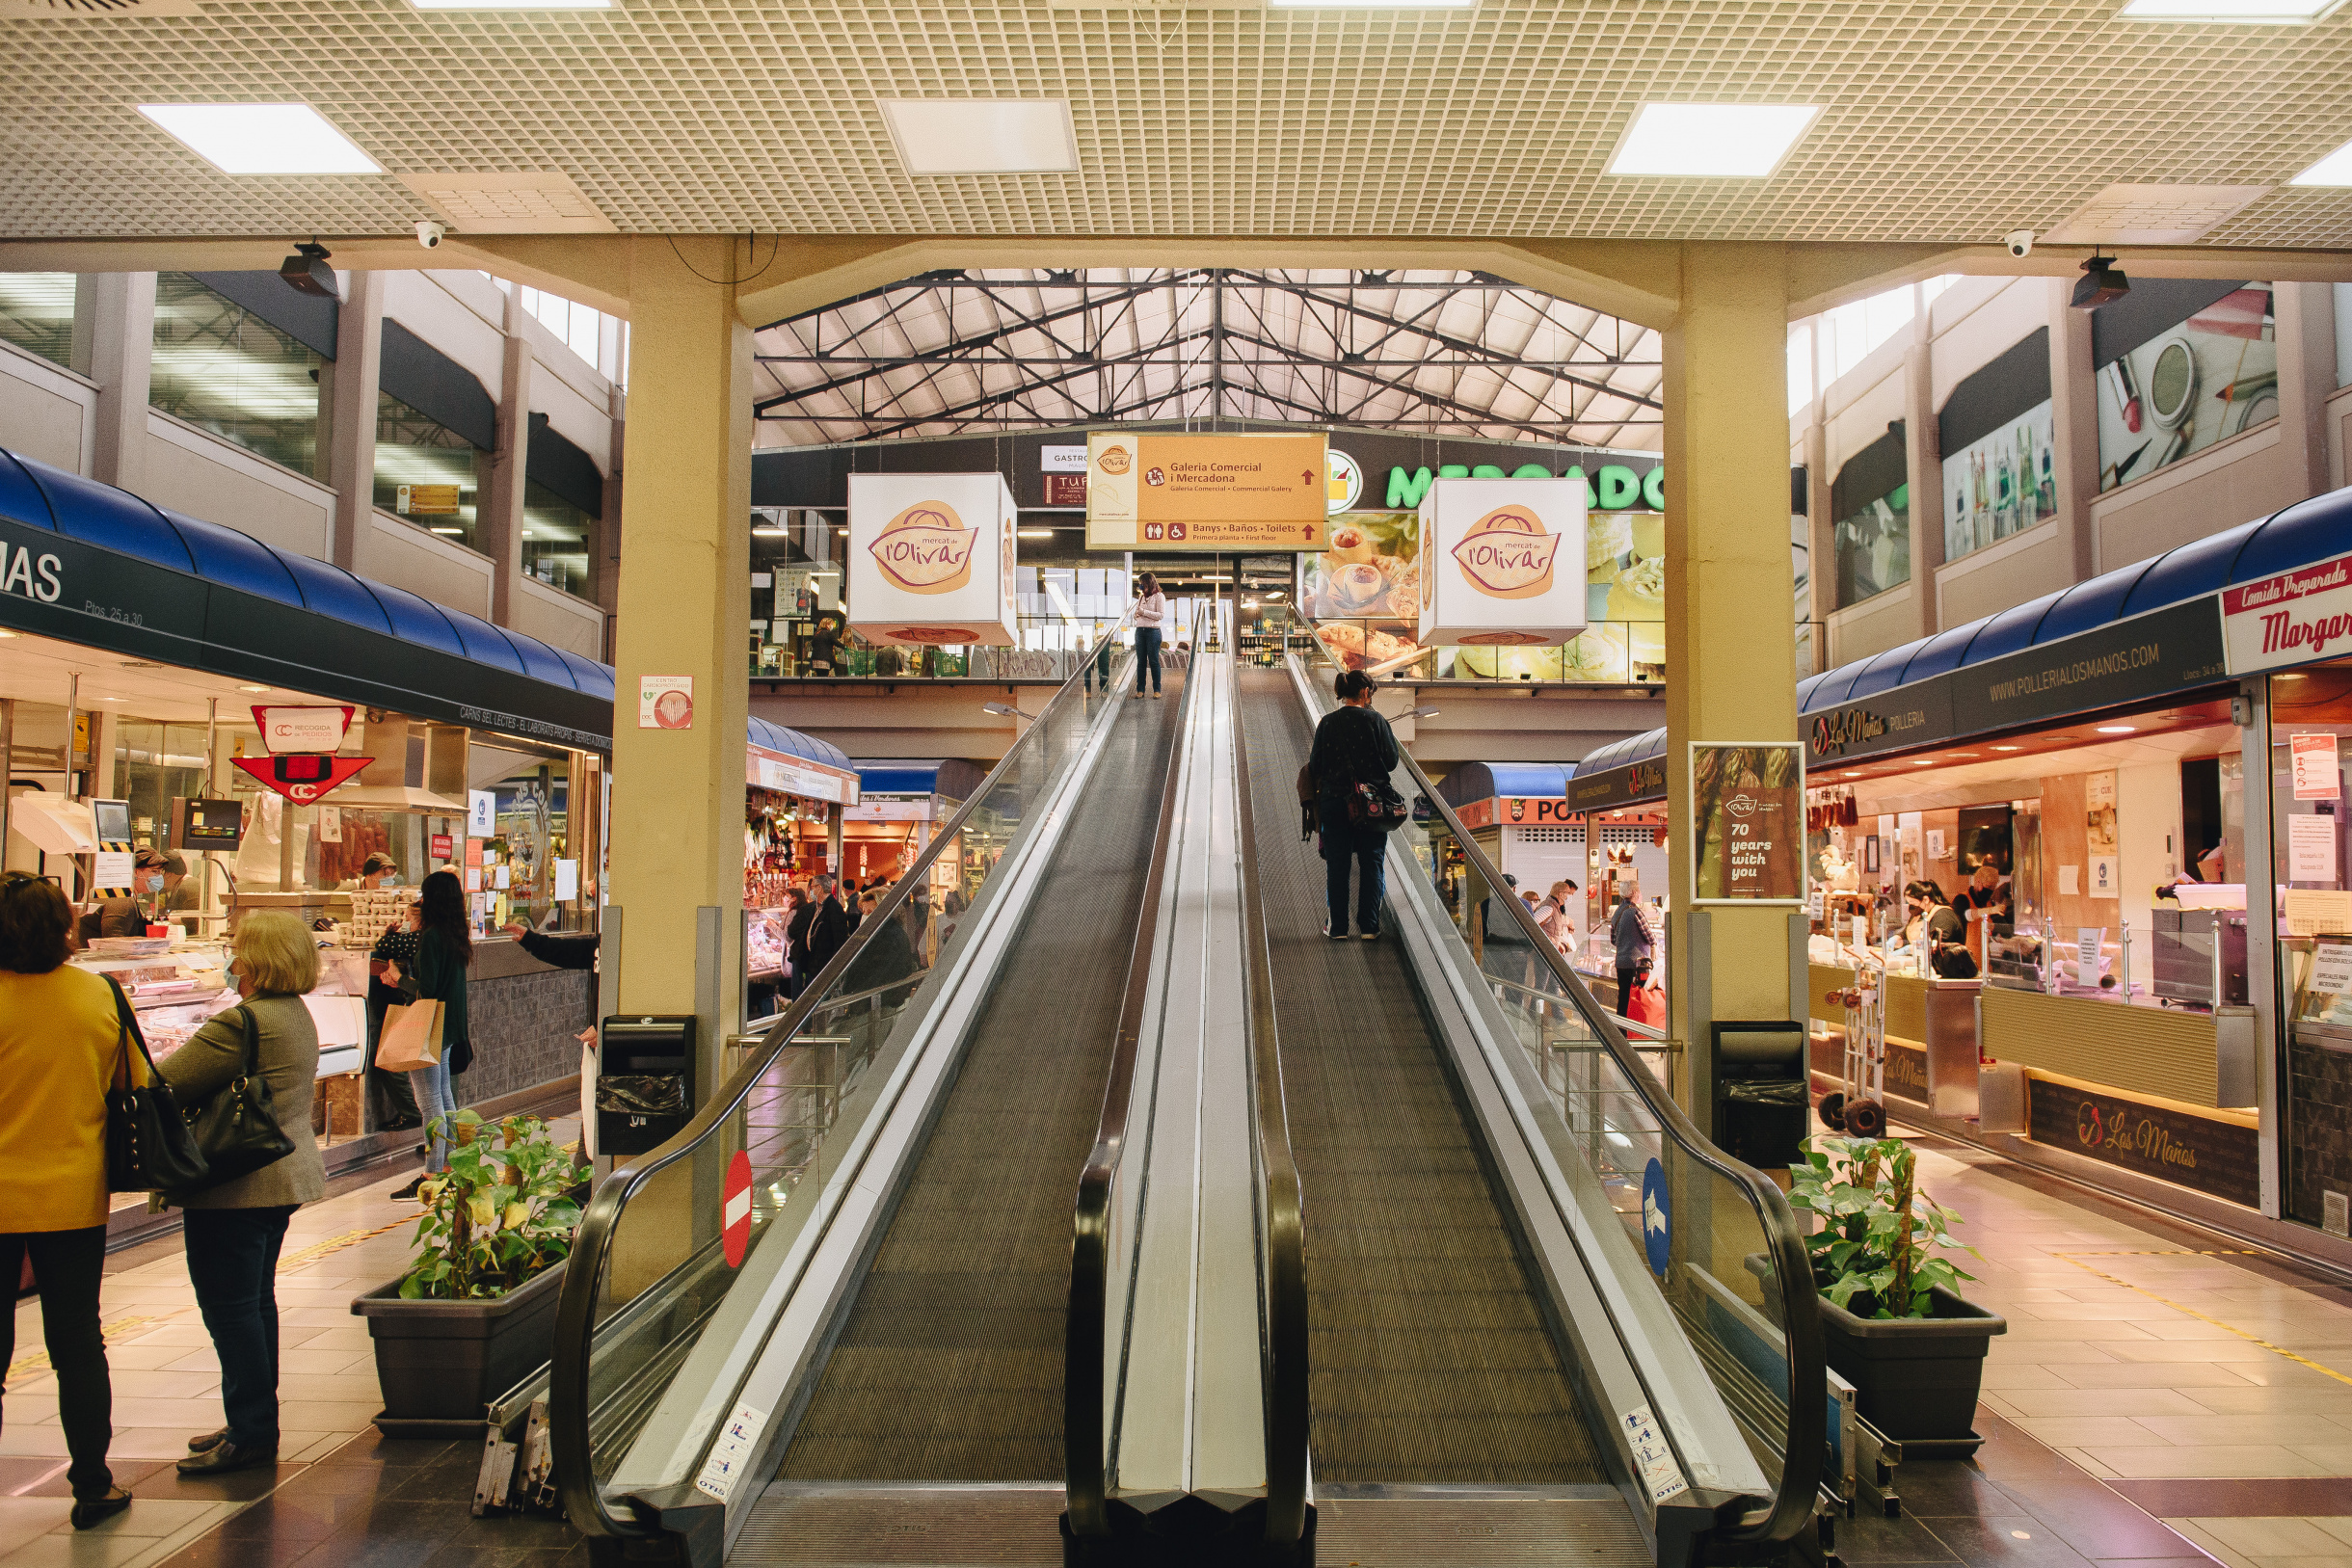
(412, 1037)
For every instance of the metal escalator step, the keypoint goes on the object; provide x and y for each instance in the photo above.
(1500, 1391)
(891, 1369)
(1389, 1275)
(1348, 1245)
(1477, 1531)
(983, 1527)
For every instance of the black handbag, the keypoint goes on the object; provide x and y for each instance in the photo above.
(1374, 805)
(237, 1129)
(149, 1147)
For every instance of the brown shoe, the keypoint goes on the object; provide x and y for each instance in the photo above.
(208, 1441)
(225, 1457)
(89, 1511)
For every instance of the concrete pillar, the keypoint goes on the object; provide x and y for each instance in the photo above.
(120, 358)
(2073, 427)
(351, 436)
(1730, 645)
(1923, 462)
(1821, 533)
(677, 852)
(2305, 314)
(498, 532)
(605, 546)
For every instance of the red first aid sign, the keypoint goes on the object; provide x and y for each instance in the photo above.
(735, 1211)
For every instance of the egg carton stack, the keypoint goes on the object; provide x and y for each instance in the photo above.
(375, 911)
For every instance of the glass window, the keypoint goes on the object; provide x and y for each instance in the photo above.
(36, 314)
(427, 473)
(1873, 544)
(556, 536)
(223, 369)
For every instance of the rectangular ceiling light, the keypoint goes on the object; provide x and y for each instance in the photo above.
(1740, 140)
(262, 138)
(982, 136)
(1370, 5)
(512, 4)
(2227, 10)
(2336, 169)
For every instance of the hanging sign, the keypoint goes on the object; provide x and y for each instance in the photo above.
(442, 846)
(481, 813)
(931, 559)
(2317, 774)
(1748, 806)
(1180, 491)
(1491, 568)
(302, 778)
(305, 728)
(2288, 619)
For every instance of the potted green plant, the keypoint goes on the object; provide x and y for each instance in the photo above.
(1893, 1322)
(475, 1312)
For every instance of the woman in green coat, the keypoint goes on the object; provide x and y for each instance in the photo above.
(444, 952)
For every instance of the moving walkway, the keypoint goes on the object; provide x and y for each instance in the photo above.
(1140, 1223)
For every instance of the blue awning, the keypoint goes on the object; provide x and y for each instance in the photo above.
(2302, 534)
(793, 743)
(1646, 747)
(1491, 781)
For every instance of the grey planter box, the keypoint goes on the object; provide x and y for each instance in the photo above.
(440, 1362)
(1915, 1378)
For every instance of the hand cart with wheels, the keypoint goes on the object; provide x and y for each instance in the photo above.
(1858, 1108)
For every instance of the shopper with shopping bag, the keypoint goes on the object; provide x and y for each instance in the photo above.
(428, 1038)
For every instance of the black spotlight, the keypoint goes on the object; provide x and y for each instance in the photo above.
(307, 271)
(2102, 284)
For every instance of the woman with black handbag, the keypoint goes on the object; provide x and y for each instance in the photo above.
(1348, 768)
(247, 1076)
(62, 1041)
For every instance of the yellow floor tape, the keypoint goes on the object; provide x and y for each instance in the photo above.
(2251, 1338)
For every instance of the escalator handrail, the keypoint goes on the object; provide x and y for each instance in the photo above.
(568, 1393)
(1288, 1399)
(1086, 1331)
(1792, 1266)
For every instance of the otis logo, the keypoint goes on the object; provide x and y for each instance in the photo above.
(925, 549)
(1507, 555)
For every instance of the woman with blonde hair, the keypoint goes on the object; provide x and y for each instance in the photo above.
(60, 1038)
(235, 1230)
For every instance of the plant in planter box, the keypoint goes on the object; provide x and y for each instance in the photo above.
(1879, 1231)
(500, 1214)
(475, 1313)
(1894, 1323)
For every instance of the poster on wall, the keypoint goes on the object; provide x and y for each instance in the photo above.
(2000, 484)
(2317, 774)
(931, 559)
(2104, 877)
(2202, 380)
(1747, 805)
(1491, 571)
(1870, 508)
(1180, 491)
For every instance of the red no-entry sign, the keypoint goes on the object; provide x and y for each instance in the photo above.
(735, 1211)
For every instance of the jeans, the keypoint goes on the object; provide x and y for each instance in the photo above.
(1147, 656)
(1348, 847)
(67, 1265)
(232, 1261)
(434, 1101)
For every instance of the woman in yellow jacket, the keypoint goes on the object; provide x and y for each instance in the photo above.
(59, 1037)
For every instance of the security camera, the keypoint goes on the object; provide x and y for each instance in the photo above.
(2021, 242)
(429, 233)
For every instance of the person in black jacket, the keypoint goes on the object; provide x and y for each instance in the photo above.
(1354, 745)
(828, 925)
(887, 955)
(557, 949)
(1631, 938)
(802, 907)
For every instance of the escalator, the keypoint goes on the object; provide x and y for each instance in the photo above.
(1430, 1358)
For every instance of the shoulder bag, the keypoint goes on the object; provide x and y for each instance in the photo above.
(149, 1147)
(1374, 805)
(238, 1128)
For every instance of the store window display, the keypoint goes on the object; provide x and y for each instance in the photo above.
(1870, 499)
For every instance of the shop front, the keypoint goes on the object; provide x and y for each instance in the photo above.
(1619, 791)
(140, 653)
(2105, 939)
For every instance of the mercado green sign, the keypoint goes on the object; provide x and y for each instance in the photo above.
(1612, 488)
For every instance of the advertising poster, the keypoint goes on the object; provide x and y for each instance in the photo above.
(1364, 590)
(1499, 563)
(931, 559)
(1206, 493)
(2099, 837)
(2317, 774)
(1999, 485)
(1747, 803)
(665, 701)
(2211, 376)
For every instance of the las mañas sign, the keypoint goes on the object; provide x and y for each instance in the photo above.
(30, 575)
(2290, 619)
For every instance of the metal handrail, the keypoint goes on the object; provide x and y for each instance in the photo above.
(1792, 1266)
(1288, 1399)
(1086, 1331)
(568, 1392)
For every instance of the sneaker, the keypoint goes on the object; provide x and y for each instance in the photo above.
(1335, 936)
(1373, 935)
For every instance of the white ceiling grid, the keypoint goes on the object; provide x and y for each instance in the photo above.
(1437, 353)
(1943, 120)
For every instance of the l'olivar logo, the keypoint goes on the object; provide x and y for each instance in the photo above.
(1114, 460)
(1506, 554)
(925, 549)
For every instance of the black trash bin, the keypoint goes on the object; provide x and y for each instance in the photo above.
(1761, 1096)
(645, 1081)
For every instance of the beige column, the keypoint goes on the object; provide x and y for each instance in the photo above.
(351, 434)
(605, 546)
(2074, 428)
(1821, 535)
(677, 851)
(2307, 375)
(1730, 646)
(499, 535)
(1923, 462)
(121, 360)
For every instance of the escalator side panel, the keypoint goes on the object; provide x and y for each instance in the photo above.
(949, 1365)
(1430, 1358)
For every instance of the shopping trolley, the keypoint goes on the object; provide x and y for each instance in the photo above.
(1859, 1106)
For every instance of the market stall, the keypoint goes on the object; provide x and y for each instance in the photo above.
(1619, 790)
